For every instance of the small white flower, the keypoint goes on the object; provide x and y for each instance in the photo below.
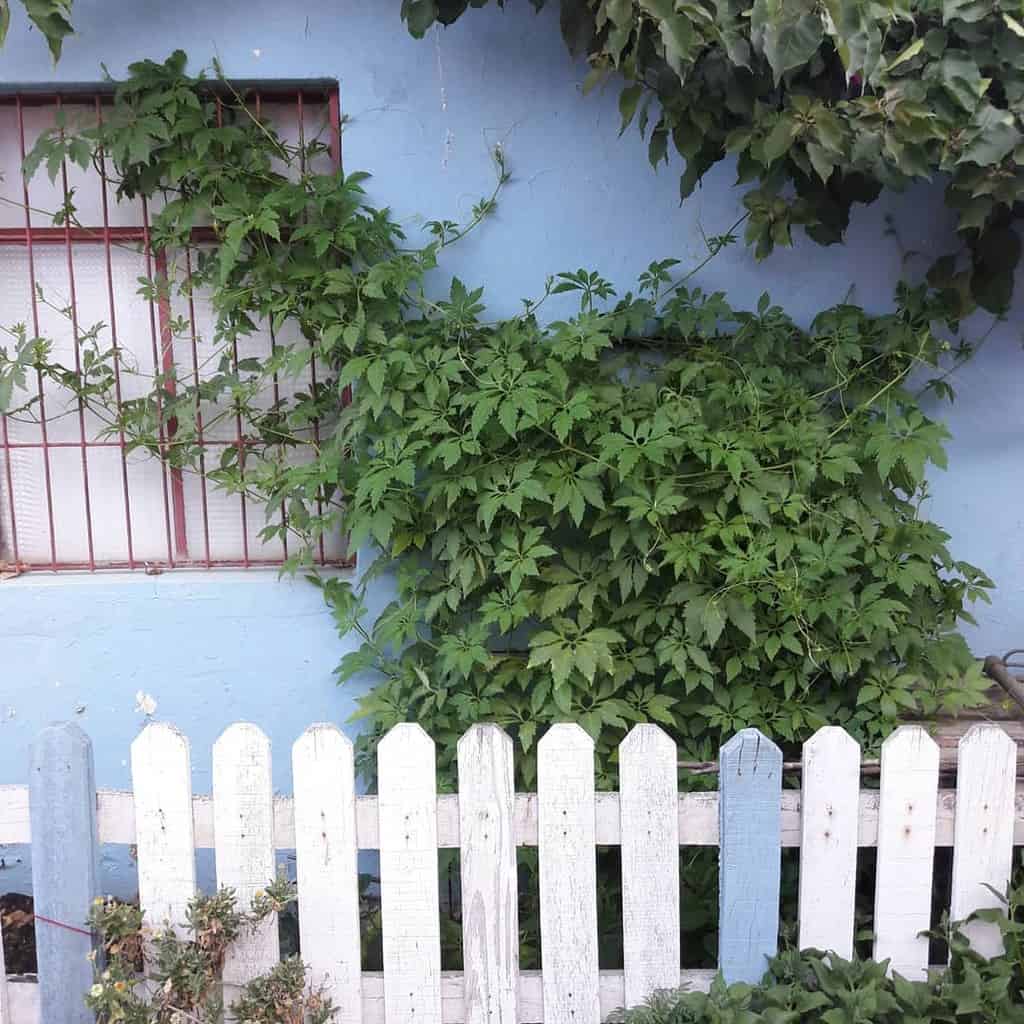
(96, 991)
(144, 702)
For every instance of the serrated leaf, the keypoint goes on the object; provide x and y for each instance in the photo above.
(713, 622)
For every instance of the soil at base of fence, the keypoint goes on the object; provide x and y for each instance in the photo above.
(18, 933)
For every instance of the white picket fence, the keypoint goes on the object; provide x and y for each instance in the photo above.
(326, 823)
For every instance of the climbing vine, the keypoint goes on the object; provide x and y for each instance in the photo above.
(822, 105)
(646, 506)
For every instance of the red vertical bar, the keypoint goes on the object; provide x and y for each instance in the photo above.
(35, 328)
(239, 438)
(334, 121)
(157, 363)
(277, 383)
(163, 306)
(312, 362)
(5, 447)
(78, 358)
(113, 340)
(199, 411)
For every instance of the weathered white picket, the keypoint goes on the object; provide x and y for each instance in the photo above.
(327, 823)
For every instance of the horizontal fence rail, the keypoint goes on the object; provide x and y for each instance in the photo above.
(751, 818)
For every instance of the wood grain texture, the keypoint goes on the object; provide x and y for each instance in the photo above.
(326, 866)
(410, 911)
(906, 843)
(162, 784)
(828, 853)
(65, 867)
(568, 876)
(490, 903)
(698, 819)
(244, 851)
(983, 850)
(650, 862)
(750, 858)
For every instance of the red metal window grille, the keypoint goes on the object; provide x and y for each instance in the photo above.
(70, 498)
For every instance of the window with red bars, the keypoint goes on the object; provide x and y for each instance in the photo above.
(73, 497)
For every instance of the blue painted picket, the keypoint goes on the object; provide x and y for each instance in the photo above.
(750, 855)
(65, 868)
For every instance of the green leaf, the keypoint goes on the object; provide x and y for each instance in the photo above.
(51, 18)
(741, 617)
(993, 134)
(907, 54)
(713, 622)
(5, 19)
(628, 99)
(1013, 25)
(787, 32)
(419, 15)
(781, 138)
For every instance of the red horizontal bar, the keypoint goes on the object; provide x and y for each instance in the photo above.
(52, 235)
(87, 93)
(163, 566)
(206, 443)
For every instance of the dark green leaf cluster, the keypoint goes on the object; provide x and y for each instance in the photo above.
(669, 511)
(810, 987)
(657, 508)
(822, 104)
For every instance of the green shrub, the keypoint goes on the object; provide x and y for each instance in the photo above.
(811, 987)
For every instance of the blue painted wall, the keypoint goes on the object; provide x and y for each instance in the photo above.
(424, 115)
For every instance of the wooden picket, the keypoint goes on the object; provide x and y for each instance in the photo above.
(983, 850)
(828, 853)
(327, 824)
(490, 896)
(165, 840)
(906, 849)
(568, 876)
(65, 867)
(650, 862)
(750, 773)
(244, 826)
(326, 866)
(409, 904)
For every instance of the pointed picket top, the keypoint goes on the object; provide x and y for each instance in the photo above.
(406, 732)
(907, 802)
(326, 865)
(750, 859)
(490, 919)
(649, 821)
(750, 750)
(829, 809)
(162, 785)
(983, 840)
(243, 823)
(565, 736)
(485, 736)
